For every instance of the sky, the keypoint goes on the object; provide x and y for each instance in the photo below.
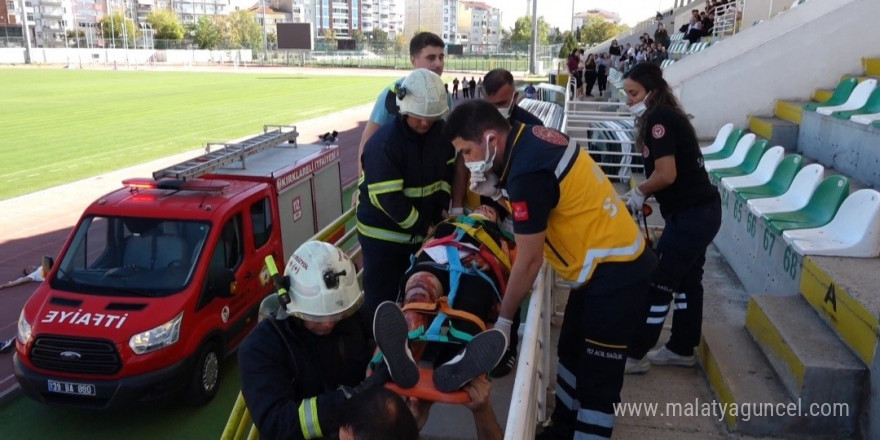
(558, 12)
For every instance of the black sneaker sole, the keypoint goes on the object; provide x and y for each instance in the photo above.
(391, 333)
(481, 355)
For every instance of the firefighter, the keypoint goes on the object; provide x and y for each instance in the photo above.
(691, 209)
(565, 210)
(300, 366)
(405, 186)
(426, 51)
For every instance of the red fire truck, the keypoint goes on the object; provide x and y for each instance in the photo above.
(162, 278)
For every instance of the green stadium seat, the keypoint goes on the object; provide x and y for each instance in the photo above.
(729, 145)
(870, 107)
(778, 184)
(820, 209)
(720, 160)
(840, 95)
(753, 157)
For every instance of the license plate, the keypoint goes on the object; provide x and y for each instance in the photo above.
(78, 389)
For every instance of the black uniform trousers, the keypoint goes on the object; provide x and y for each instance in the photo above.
(600, 318)
(384, 264)
(679, 276)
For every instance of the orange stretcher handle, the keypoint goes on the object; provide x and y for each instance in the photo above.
(424, 390)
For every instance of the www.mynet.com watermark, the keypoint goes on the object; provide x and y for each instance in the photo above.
(741, 411)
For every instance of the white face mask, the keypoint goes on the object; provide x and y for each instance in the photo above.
(505, 112)
(479, 167)
(639, 108)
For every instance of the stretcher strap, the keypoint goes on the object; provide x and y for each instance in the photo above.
(485, 254)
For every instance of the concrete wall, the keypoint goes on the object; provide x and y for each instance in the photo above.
(83, 57)
(783, 58)
(846, 146)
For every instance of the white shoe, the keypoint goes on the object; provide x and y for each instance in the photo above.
(664, 356)
(636, 366)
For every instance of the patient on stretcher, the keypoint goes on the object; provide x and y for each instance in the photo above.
(450, 294)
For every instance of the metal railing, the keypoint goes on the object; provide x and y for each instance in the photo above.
(606, 130)
(528, 401)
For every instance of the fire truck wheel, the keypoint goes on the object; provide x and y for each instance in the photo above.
(206, 375)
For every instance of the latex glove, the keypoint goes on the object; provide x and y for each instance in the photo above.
(456, 212)
(635, 199)
(488, 187)
(504, 324)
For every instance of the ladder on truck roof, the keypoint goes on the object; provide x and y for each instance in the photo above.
(229, 153)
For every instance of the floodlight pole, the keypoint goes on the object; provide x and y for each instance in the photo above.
(265, 39)
(27, 34)
(533, 59)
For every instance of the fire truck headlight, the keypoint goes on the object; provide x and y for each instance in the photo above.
(24, 329)
(159, 337)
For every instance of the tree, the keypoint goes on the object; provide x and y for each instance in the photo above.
(330, 39)
(240, 30)
(597, 30)
(522, 31)
(568, 44)
(359, 38)
(401, 44)
(111, 26)
(206, 33)
(74, 37)
(166, 25)
(556, 36)
(380, 39)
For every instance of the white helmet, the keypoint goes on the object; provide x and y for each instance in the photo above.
(422, 94)
(323, 283)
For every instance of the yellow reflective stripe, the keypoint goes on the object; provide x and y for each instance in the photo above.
(484, 238)
(375, 202)
(411, 220)
(385, 187)
(308, 418)
(427, 190)
(386, 235)
(450, 161)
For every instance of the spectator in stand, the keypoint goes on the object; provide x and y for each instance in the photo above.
(695, 30)
(640, 55)
(530, 91)
(572, 65)
(653, 54)
(630, 54)
(708, 20)
(664, 55)
(589, 74)
(661, 37)
(603, 66)
(615, 51)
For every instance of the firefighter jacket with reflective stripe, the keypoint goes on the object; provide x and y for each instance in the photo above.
(590, 224)
(290, 377)
(406, 183)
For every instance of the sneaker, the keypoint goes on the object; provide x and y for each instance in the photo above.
(664, 356)
(7, 345)
(505, 366)
(478, 357)
(391, 333)
(637, 366)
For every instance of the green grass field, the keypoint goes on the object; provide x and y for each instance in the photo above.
(63, 125)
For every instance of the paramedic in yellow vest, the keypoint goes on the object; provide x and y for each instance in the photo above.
(564, 209)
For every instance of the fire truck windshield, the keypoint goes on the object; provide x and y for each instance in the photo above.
(131, 256)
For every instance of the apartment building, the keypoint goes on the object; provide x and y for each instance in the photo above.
(345, 16)
(469, 23)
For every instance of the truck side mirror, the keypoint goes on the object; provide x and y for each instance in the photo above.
(46, 265)
(221, 283)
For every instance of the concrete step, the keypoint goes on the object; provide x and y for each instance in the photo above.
(813, 364)
(822, 95)
(844, 293)
(871, 66)
(790, 111)
(741, 378)
(776, 130)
